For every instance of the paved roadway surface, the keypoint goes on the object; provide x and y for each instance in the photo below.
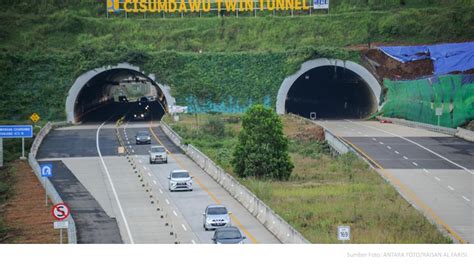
(134, 192)
(434, 171)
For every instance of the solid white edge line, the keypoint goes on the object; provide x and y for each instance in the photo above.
(112, 186)
(417, 144)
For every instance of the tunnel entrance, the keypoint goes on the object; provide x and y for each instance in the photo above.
(113, 92)
(330, 92)
(329, 89)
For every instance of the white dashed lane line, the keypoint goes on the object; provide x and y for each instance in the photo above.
(451, 188)
(150, 175)
(388, 147)
(397, 152)
(192, 241)
(415, 164)
(154, 182)
(133, 150)
(374, 139)
(184, 227)
(437, 178)
(426, 171)
(466, 199)
(167, 201)
(144, 167)
(161, 191)
(404, 157)
(381, 143)
(175, 214)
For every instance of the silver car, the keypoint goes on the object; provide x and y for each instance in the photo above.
(180, 180)
(216, 216)
(158, 154)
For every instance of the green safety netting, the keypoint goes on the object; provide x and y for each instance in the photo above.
(417, 100)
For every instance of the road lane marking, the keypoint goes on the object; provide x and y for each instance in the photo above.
(404, 157)
(161, 191)
(127, 228)
(203, 187)
(451, 188)
(192, 241)
(466, 199)
(381, 143)
(417, 144)
(409, 193)
(426, 171)
(415, 164)
(133, 150)
(374, 139)
(397, 152)
(149, 175)
(167, 201)
(154, 182)
(175, 214)
(388, 147)
(184, 227)
(144, 167)
(437, 178)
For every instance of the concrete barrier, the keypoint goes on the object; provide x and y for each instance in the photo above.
(48, 186)
(272, 221)
(408, 123)
(465, 134)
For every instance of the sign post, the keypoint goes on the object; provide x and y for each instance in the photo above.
(46, 171)
(1, 152)
(343, 233)
(15, 132)
(60, 212)
(439, 113)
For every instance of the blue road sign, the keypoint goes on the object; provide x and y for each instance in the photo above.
(16, 131)
(46, 170)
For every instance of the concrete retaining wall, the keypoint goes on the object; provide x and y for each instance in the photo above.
(272, 221)
(48, 186)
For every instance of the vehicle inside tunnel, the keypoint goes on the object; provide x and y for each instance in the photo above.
(330, 92)
(119, 92)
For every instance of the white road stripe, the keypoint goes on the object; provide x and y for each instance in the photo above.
(154, 182)
(149, 174)
(374, 139)
(161, 191)
(466, 199)
(415, 164)
(419, 145)
(426, 171)
(437, 178)
(184, 227)
(404, 157)
(127, 228)
(175, 214)
(144, 167)
(381, 143)
(192, 241)
(397, 152)
(451, 188)
(167, 201)
(133, 151)
(388, 147)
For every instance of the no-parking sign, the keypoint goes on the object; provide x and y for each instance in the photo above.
(60, 211)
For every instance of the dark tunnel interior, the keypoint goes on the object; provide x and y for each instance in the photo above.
(102, 98)
(330, 92)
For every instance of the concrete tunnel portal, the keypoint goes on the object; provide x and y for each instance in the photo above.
(93, 96)
(329, 89)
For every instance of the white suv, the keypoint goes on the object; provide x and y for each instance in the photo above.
(180, 180)
(158, 154)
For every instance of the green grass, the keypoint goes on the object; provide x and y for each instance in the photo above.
(323, 191)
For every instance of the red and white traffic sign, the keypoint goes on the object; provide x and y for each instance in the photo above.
(60, 211)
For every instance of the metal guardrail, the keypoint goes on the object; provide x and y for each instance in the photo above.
(48, 186)
(272, 221)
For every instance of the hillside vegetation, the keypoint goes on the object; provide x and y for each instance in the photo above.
(45, 45)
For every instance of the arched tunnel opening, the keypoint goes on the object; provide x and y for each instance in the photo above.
(114, 93)
(330, 92)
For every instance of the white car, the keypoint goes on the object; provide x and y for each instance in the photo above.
(216, 216)
(180, 180)
(158, 154)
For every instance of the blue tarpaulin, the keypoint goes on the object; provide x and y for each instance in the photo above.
(446, 58)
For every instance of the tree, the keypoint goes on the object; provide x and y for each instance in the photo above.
(262, 149)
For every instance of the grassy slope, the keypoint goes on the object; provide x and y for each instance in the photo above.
(323, 191)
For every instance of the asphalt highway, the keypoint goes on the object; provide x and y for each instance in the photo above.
(433, 171)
